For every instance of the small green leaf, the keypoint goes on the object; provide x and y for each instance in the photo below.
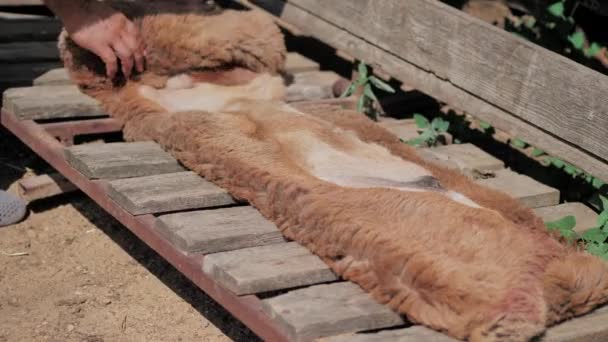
(557, 9)
(518, 143)
(421, 121)
(367, 91)
(557, 162)
(457, 141)
(602, 219)
(428, 135)
(595, 235)
(597, 183)
(484, 125)
(571, 170)
(536, 152)
(416, 141)
(529, 22)
(360, 103)
(550, 26)
(440, 125)
(565, 223)
(362, 71)
(577, 39)
(604, 203)
(350, 90)
(598, 249)
(592, 50)
(378, 83)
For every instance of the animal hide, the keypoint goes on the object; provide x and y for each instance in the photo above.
(424, 240)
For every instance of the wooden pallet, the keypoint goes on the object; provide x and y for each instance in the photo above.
(276, 287)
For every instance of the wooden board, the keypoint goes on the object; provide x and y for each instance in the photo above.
(121, 160)
(44, 186)
(27, 29)
(57, 76)
(464, 157)
(218, 230)
(19, 52)
(296, 63)
(413, 334)
(328, 310)
(167, 192)
(439, 87)
(45, 102)
(531, 193)
(312, 85)
(21, 3)
(267, 268)
(585, 217)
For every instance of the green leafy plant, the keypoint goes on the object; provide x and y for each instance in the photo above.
(430, 131)
(368, 82)
(595, 239)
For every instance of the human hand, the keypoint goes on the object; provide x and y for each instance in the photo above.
(107, 33)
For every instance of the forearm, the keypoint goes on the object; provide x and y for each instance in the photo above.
(74, 12)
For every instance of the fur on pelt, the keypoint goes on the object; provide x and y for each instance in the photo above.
(483, 274)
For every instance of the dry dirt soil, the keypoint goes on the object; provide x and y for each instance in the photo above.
(70, 272)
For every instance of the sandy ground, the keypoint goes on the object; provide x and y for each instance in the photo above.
(70, 272)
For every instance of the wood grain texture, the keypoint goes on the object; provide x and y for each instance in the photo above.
(413, 334)
(19, 52)
(585, 217)
(57, 76)
(296, 63)
(528, 191)
(328, 310)
(267, 268)
(50, 102)
(218, 230)
(121, 160)
(428, 82)
(467, 158)
(167, 192)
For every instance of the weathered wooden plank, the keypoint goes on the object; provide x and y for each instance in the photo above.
(428, 82)
(531, 193)
(589, 328)
(412, 334)
(506, 70)
(586, 218)
(296, 63)
(404, 129)
(44, 186)
(21, 3)
(328, 310)
(267, 268)
(467, 158)
(15, 28)
(121, 160)
(167, 192)
(49, 102)
(57, 76)
(19, 52)
(312, 85)
(218, 230)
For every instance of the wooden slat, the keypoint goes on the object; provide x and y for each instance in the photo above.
(491, 63)
(589, 328)
(57, 76)
(267, 268)
(528, 191)
(464, 157)
(44, 186)
(312, 85)
(296, 63)
(15, 29)
(47, 102)
(397, 65)
(413, 334)
(328, 310)
(586, 218)
(218, 230)
(21, 3)
(121, 160)
(167, 192)
(19, 52)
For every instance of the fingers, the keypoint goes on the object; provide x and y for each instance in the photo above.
(133, 40)
(126, 56)
(107, 55)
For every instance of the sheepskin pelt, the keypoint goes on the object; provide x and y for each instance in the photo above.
(489, 272)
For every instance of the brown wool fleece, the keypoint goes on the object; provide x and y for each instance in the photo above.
(483, 274)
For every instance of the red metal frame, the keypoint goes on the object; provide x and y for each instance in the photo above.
(248, 309)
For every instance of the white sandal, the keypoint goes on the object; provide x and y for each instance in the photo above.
(12, 209)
